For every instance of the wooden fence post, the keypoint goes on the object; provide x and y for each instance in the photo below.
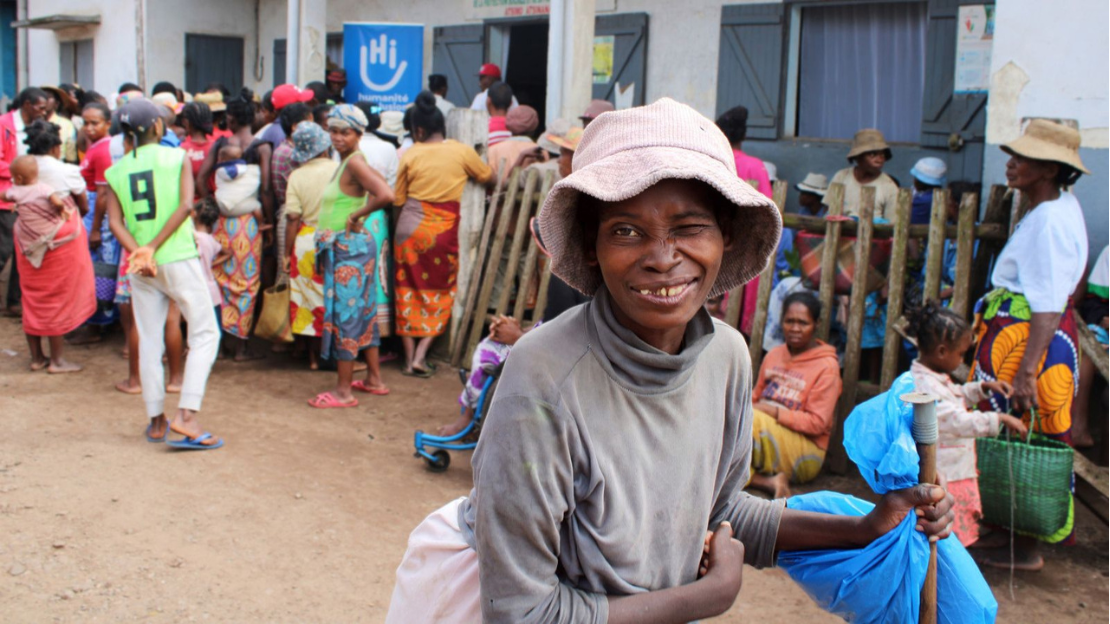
(935, 252)
(835, 196)
(896, 281)
(469, 127)
(766, 282)
(837, 458)
(965, 245)
(995, 215)
(520, 238)
(530, 259)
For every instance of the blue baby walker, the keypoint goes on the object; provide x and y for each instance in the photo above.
(439, 459)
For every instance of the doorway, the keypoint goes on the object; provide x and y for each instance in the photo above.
(524, 50)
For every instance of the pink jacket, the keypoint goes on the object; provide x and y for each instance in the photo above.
(8, 153)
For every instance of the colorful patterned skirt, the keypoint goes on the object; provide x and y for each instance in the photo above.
(348, 263)
(426, 253)
(776, 448)
(105, 259)
(1002, 331)
(239, 276)
(378, 226)
(306, 286)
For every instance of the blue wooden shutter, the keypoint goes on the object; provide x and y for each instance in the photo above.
(944, 112)
(213, 59)
(629, 32)
(749, 72)
(279, 61)
(458, 53)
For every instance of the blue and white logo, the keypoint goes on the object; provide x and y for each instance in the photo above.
(384, 62)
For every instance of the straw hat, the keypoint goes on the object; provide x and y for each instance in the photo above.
(1047, 140)
(215, 101)
(568, 140)
(624, 153)
(869, 140)
(815, 183)
(558, 127)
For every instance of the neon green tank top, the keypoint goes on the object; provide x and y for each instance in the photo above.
(148, 184)
(337, 205)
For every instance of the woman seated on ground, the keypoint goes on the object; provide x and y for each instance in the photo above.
(794, 401)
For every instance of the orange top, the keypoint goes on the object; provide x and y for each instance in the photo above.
(807, 386)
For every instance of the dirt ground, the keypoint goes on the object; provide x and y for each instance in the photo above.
(303, 516)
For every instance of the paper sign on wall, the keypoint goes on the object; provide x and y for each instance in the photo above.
(975, 35)
(384, 63)
(603, 58)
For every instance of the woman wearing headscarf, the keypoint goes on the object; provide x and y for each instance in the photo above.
(348, 258)
(55, 268)
(1025, 328)
(430, 185)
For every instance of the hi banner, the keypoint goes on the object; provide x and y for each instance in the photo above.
(384, 62)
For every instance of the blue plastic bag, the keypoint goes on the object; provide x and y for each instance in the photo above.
(882, 582)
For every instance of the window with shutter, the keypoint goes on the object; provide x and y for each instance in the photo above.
(458, 53)
(211, 59)
(749, 70)
(629, 32)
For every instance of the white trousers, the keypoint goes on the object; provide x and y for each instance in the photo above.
(183, 283)
(437, 580)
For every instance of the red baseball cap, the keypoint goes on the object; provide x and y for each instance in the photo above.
(489, 69)
(287, 94)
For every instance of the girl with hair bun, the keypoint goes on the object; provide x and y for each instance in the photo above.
(430, 182)
(943, 337)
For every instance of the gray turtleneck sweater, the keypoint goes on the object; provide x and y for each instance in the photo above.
(602, 463)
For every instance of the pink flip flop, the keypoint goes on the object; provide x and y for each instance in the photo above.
(361, 386)
(326, 400)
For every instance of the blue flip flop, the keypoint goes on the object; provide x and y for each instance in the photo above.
(195, 444)
(154, 440)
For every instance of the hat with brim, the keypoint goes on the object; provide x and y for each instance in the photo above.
(393, 124)
(309, 141)
(624, 153)
(930, 170)
(558, 127)
(815, 183)
(869, 140)
(215, 101)
(65, 100)
(568, 141)
(1047, 140)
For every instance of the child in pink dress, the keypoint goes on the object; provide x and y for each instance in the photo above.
(943, 337)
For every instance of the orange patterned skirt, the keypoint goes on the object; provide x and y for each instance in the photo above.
(426, 261)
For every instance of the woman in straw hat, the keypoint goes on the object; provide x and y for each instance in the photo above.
(868, 155)
(1025, 327)
(578, 513)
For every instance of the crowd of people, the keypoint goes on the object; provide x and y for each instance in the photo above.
(176, 215)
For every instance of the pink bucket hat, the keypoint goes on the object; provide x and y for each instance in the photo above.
(625, 152)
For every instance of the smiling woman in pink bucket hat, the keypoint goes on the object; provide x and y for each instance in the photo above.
(602, 461)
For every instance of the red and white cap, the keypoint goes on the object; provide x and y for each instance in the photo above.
(489, 69)
(287, 94)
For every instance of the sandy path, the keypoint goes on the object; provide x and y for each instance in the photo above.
(302, 517)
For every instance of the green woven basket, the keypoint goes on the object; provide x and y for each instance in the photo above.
(1038, 498)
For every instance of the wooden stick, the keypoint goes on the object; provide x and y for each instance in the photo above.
(520, 238)
(492, 261)
(896, 280)
(541, 294)
(531, 258)
(985, 231)
(459, 338)
(925, 436)
(835, 196)
(996, 215)
(837, 458)
(934, 260)
(965, 245)
(766, 281)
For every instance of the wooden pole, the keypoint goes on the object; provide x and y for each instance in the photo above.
(468, 127)
(965, 245)
(766, 282)
(991, 231)
(474, 278)
(835, 196)
(935, 255)
(925, 436)
(896, 280)
(530, 259)
(520, 238)
(837, 458)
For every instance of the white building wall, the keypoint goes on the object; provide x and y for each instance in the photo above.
(114, 57)
(1050, 59)
(168, 22)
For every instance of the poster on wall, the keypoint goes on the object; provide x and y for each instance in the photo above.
(384, 63)
(603, 58)
(973, 48)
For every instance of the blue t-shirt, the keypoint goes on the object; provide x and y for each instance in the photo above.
(273, 135)
(170, 139)
(922, 209)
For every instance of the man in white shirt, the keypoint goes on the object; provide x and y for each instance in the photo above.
(487, 75)
(379, 153)
(437, 84)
